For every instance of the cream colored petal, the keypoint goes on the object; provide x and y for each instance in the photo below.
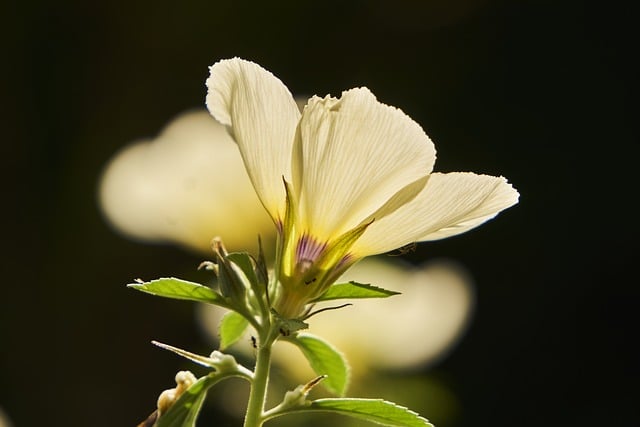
(262, 116)
(351, 155)
(449, 204)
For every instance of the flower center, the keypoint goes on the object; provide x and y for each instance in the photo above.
(308, 251)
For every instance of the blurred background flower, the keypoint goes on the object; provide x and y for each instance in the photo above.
(186, 186)
(540, 91)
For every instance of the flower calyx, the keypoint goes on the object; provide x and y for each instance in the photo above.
(242, 280)
(307, 265)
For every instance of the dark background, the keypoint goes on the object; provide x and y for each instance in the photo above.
(542, 92)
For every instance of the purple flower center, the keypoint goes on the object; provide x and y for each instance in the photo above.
(308, 251)
(348, 258)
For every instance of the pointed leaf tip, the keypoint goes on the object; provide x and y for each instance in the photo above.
(354, 290)
(170, 287)
(377, 411)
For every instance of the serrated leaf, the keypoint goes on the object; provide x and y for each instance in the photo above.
(374, 410)
(170, 287)
(184, 412)
(354, 290)
(324, 360)
(232, 326)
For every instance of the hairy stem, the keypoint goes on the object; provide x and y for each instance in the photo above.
(255, 409)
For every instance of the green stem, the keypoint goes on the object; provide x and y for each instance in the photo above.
(255, 409)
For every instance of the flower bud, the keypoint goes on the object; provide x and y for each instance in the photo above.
(184, 380)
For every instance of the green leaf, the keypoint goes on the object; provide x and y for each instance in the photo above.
(180, 289)
(232, 326)
(354, 290)
(324, 360)
(374, 410)
(185, 410)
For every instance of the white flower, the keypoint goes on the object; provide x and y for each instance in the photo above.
(187, 186)
(357, 177)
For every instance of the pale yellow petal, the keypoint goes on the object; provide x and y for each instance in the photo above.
(449, 204)
(351, 155)
(262, 116)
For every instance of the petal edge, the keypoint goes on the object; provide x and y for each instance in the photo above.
(262, 116)
(449, 204)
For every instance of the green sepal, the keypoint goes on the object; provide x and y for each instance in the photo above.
(354, 290)
(246, 264)
(231, 285)
(170, 287)
(231, 328)
(262, 273)
(286, 238)
(254, 274)
(324, 359)
(340, 246)
(184, 412)
(288, 326)
(377, 411)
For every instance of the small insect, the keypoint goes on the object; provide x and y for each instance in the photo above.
(308, 282)
(254, 342)
(406, 249)
(285, 332)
